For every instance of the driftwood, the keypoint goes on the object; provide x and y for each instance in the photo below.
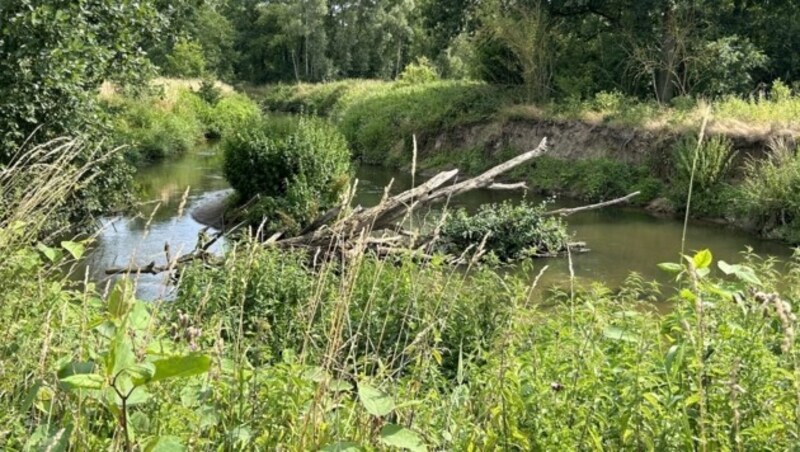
(342, 232)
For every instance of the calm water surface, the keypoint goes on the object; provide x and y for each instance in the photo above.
(621, 240)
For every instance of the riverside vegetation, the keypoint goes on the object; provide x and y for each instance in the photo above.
(267, 352)
(265, 348)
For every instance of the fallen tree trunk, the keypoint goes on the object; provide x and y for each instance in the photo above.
(341, 231)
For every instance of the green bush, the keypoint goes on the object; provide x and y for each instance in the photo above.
(157, 127)
(769, 195)
(711, 192)
(186, 60)
(420, 71)
(295, 176)
(512, 231)
(593, 179)
(155, 133)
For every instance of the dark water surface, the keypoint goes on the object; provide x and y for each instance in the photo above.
(621, 240)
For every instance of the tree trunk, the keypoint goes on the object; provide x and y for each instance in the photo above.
(665, 78)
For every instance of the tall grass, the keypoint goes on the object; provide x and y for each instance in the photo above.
(362, 352)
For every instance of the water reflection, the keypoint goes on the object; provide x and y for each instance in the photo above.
(622, 240)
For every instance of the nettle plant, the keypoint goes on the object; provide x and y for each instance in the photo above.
(128, 357)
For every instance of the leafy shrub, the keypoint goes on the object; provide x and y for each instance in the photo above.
(295, 177)
(186, 60)
(420, 71)
(727, 64)
(156, 133)
(593, 179)
(780, 92)
(769, 195)
(209, 92)
(511, 231)
(711, 195)
(608, 101)
(158, 127)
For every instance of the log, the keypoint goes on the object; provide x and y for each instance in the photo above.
(571, 211)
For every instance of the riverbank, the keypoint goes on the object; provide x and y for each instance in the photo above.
(600, 148)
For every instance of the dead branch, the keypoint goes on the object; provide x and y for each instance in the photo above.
(600, 205)
(518, 185)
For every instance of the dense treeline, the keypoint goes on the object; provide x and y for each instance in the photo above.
(562, 48)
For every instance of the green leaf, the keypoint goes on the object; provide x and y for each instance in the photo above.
(403, 438)
(75, 249)
(671, 267)
(164, 444)
(375, 401)
(702, 259)
(53, 255)
(181, 366)
(121, 299)
(83, 381)
(76, 368)
(142, 373)
(342, 446)
(120, 357)
(618, 334)
(337, 385)
(726, 268)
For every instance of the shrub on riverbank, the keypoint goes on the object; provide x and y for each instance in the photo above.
(505, 232)
(770, 193)
(712, 162)
(170, 123)
(292, 171)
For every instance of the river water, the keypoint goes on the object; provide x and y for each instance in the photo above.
(622, 240)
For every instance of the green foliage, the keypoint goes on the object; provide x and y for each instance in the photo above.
(420, 71)
(593, 179)
(186, 60)
(506, 231)
(379, 124)
(769, 195)
(53, 58)
(209, 91)
(726, 65)
(711, 193)
(295, 176)
(157, 127)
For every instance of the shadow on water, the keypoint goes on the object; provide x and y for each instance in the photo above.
(622, 240)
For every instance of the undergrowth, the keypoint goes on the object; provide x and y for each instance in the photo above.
(277, 350)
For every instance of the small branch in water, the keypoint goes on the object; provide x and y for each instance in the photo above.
(600, 205)
(518, 185)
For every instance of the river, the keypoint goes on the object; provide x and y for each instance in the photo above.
(622, 240)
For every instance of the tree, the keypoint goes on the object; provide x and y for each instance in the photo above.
(54, 55)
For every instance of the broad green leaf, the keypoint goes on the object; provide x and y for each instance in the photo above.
(75, 249)
(618, 334)
(671, 267)
(83, 381)
(181, 366)
(403, 438)
(121, 299)
(375, 401)
(76, 368)
(342, 446)
(120, 356)
(53, 255)
(726, 268)
(142, 373)
(702, 259)
(337, 385)
(164, 444)
(315, 374)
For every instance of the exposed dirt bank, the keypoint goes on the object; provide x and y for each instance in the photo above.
(576, 140)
